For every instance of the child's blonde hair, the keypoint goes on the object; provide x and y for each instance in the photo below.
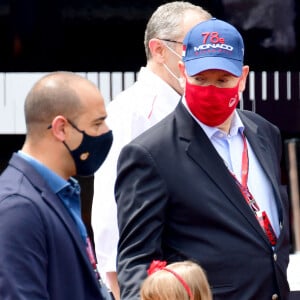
(184, 280)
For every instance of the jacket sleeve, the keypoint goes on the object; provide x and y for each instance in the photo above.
(22, 251)
(141, 197)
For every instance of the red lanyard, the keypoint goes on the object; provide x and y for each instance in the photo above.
(92, 259)
(261, 216)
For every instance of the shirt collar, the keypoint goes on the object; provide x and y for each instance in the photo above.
(145, 75)
(236, 124)
(55, 182)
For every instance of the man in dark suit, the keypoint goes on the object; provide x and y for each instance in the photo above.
(204, 183)
(45, 252)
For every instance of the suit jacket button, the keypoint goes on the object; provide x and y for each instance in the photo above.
(275, 297)
(275, 256)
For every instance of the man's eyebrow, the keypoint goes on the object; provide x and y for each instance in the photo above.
(100, 118)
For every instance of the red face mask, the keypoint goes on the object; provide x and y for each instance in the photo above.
(211, 105)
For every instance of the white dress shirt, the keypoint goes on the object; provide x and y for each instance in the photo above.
(133, 111)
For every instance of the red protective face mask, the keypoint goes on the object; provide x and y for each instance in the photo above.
(211, 105)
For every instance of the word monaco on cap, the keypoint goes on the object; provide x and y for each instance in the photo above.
(213, 44)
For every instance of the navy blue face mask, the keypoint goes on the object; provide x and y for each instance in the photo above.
(91, 153)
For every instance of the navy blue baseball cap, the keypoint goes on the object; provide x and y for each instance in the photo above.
(213, 44)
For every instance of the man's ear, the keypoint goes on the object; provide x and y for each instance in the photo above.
(58, 127)
(157, 50)
(181, 68)
(243, 78)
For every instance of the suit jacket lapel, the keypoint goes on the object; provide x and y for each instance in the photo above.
(260, 147)
(56, 204)
(201, 150)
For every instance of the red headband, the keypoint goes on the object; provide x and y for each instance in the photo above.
(157, 265)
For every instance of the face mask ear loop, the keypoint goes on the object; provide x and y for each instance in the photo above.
(173, 51)
(75, 127)
(171, 72)
(67, 146)
(168, 69)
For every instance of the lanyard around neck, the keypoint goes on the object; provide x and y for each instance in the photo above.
(261, 216)
(245, 163)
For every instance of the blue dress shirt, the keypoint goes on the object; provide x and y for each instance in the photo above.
(67, 191)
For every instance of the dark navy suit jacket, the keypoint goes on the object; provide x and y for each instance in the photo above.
(42, 255)
(177, 200)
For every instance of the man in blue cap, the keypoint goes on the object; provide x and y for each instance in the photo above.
(204, 184)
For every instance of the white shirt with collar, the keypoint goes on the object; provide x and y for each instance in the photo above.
(132, 112)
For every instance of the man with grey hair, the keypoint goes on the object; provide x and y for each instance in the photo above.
(154, 95)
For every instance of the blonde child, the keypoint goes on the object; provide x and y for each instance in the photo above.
(184, 280)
